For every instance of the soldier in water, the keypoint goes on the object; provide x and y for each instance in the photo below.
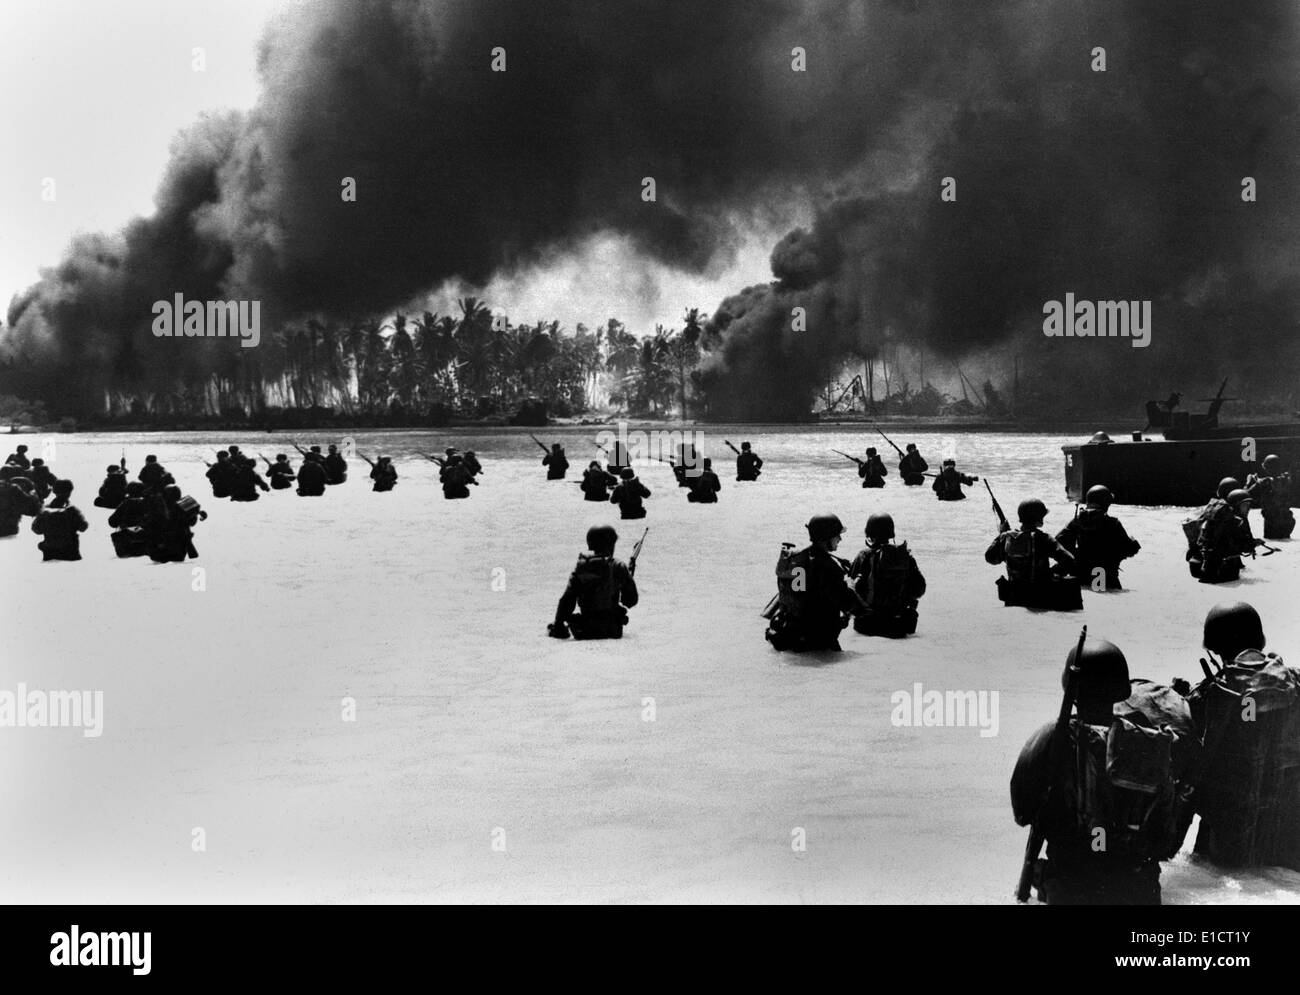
(748, 463)
(384, 474)
(948, 484)
(629, 494)
(556, 463)
(128, 521)
(596, 482)
(872, 470)
(456, 478)
(112, 491)
(19, 459)
(912, 466)
(1270, 489)
(1097, 541)
(17, 498)
(601, 587)
(1223, 539)
(813, 598)
(336, 467)
(281, 473)
(312, 478)
(706, 487)
(1113, 800)
(61, 526)
(221, 474)
(888, 581)
(1026, 551)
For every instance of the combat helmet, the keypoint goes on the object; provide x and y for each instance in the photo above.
(1232, 626)
(601, 539)
(1226, 486)
(1101, 671)
(1031, 510)
(1272, 464)
(1098, 495)
(880, 526)
(824, 527)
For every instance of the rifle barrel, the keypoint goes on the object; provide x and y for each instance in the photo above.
(890, 441)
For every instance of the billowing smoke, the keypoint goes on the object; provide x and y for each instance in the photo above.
(1123, 184)
(1118, 185)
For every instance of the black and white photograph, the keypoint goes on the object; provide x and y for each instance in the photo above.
(651, 453)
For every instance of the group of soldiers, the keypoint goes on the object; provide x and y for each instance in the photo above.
(616, 481)
(1111, 787)
(1220, 534)
(151, 517)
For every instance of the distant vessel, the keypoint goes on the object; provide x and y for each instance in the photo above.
(1179, 458)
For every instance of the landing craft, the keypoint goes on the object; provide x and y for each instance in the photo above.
(1179, 457)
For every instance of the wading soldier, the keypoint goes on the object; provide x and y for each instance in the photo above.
(748, 464)
(61, 526)
(706, 487)
(556, 463)
(1027, 552)
(336, 467)
(629, 494)
(872, 470)
(1270, 489)
(1107, 788)
(888, 581)
(596, 482)
(948, 484)
(813, 598)
(601, 587)
(912, 466)
(1224, 538)
(1097, 541)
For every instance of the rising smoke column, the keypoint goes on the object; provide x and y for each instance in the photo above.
(463, 172)
(1123, 185)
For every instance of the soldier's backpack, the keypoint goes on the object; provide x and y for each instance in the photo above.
(1249, 795)
(1129, 790)
(792, 579)
(888, 570)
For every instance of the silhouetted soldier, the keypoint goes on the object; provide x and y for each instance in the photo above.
(61, 526)
(221, 474)
(336, 467)
(472, 464)
(1113, 800)
(872, 470)
(706, 487)
(948, 484)
(151, 473)
(384, 474)
(1097, 541)
(17, 498)
(628, 495)
(247, 483)
(19, 459)
(42, 478)
(112, 491)
(1224, 538)
(748, 464)
(888, 581)
(170, 526)
(596, 482)
(602, 587)
(456, 478)
(1270, 489)
(1248, 711)
(912, 466)
(129, 520)
(312, 479)
(557, 465)
(1026, 551)
(813, 595)
(282, 475)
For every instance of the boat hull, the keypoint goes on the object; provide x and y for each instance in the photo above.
(1162, 472)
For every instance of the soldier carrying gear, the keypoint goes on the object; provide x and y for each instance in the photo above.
(1026, 551)
(128, 520)
(456, 478)
(888, 581)
(221, 474)
(948, 484)
(151, 473)
(556, 463)
(601, 587)
(384, 474)
(912, 466)
(282, 475)
(1248, 713)
(112, 491)
(1115, 800)
(472, 464)
(748, 464)
(247, 482)
(169, 526)
(1271, 490)
(17, 498)
(629, 493)
(596, 482)
(19, 459)
(1224, 537)
(1097, 541)
(61, 526)
(336, 467)
(706, 487)
(872, 470)
(312, 477)
(813, 597)
(40, 475)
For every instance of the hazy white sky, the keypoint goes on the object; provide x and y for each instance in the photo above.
(92, 91)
